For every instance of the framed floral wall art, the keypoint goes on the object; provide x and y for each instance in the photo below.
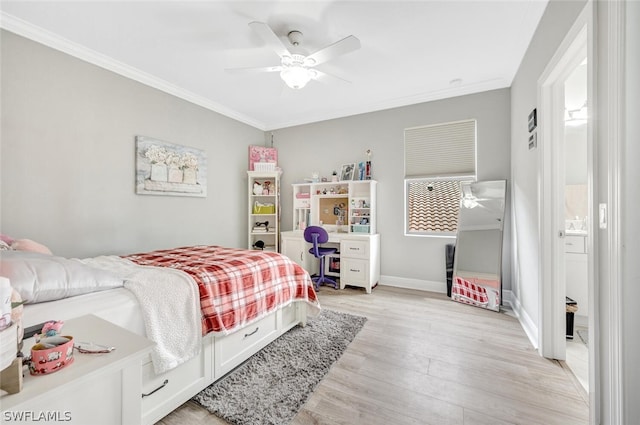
(164, 168)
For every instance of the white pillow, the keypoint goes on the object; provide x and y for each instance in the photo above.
(39, 277)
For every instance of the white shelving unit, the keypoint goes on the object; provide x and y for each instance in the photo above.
(347, 206)
(347, 210)
(263, 191)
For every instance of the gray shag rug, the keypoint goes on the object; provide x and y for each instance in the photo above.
(272, 385)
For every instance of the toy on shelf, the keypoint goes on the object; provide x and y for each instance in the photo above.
(257, 188)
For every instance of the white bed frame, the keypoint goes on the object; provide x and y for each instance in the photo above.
(139, 396)
(219, 355)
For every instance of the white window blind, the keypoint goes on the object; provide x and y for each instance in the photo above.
(447, 149)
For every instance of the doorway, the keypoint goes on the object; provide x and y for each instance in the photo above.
(576, 218)
(566, 203)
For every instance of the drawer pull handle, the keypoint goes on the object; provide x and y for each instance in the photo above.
(355, 270)
(251, 333)
(354, 249)
(164, 384)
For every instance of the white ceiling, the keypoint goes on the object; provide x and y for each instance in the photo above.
(411, 52)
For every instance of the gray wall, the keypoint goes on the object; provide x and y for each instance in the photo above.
(406, 260)
(68, 159)
(68, 165)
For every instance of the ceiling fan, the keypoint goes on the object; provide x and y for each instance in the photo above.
(296, 69)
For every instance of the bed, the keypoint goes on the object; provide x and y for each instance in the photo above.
(207, 308)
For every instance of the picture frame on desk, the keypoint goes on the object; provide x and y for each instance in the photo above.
(347, 171)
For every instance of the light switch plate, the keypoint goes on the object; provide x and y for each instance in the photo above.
(602, 213)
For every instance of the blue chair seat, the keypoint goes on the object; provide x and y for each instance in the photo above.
(323, 251)
(316, 235)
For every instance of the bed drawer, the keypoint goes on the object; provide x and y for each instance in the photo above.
(163, 393)
(290, 316)
(231, 350)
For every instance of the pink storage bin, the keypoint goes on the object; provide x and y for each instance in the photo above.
(49, 360)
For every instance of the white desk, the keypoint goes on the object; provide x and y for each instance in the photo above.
(359, 256)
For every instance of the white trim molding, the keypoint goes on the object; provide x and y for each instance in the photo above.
(528, 325)
(20, 27)
(418, 284)
(569, 54)
(613, 114)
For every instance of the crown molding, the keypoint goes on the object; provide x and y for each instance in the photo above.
(399, 102)
(25, 29)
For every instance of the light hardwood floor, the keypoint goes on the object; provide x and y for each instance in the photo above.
(423, 359)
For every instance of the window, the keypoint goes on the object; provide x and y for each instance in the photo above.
(437, 159)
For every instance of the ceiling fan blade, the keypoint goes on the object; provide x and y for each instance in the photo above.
(328, 78)
(253, 70)
(346, 45)
(272, 40)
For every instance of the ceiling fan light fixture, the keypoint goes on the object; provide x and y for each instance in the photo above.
(294, 71)
(296, 76)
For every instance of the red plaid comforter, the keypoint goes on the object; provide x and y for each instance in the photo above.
(237, 286)
(468, 292)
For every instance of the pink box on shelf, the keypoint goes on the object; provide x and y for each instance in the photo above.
(303, 195)
(262, 155)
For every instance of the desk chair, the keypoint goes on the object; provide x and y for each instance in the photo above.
(317, 235)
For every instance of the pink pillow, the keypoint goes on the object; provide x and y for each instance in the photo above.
(29, 245)
(6, 239)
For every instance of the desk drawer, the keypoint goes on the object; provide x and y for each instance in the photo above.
(352, 248)
(231, 350)
(354, 272)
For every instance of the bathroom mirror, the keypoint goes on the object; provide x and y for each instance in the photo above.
(478, 254)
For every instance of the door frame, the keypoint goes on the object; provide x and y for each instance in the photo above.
(574, 48)
(578, 44)
(552, 341)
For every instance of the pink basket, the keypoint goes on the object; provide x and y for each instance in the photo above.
(49, 360)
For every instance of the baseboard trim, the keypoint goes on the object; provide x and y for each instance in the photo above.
(419, 284)
(528, 325)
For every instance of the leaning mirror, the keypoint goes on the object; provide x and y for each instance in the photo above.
(478, 253)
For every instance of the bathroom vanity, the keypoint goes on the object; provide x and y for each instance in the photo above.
(576, 270)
